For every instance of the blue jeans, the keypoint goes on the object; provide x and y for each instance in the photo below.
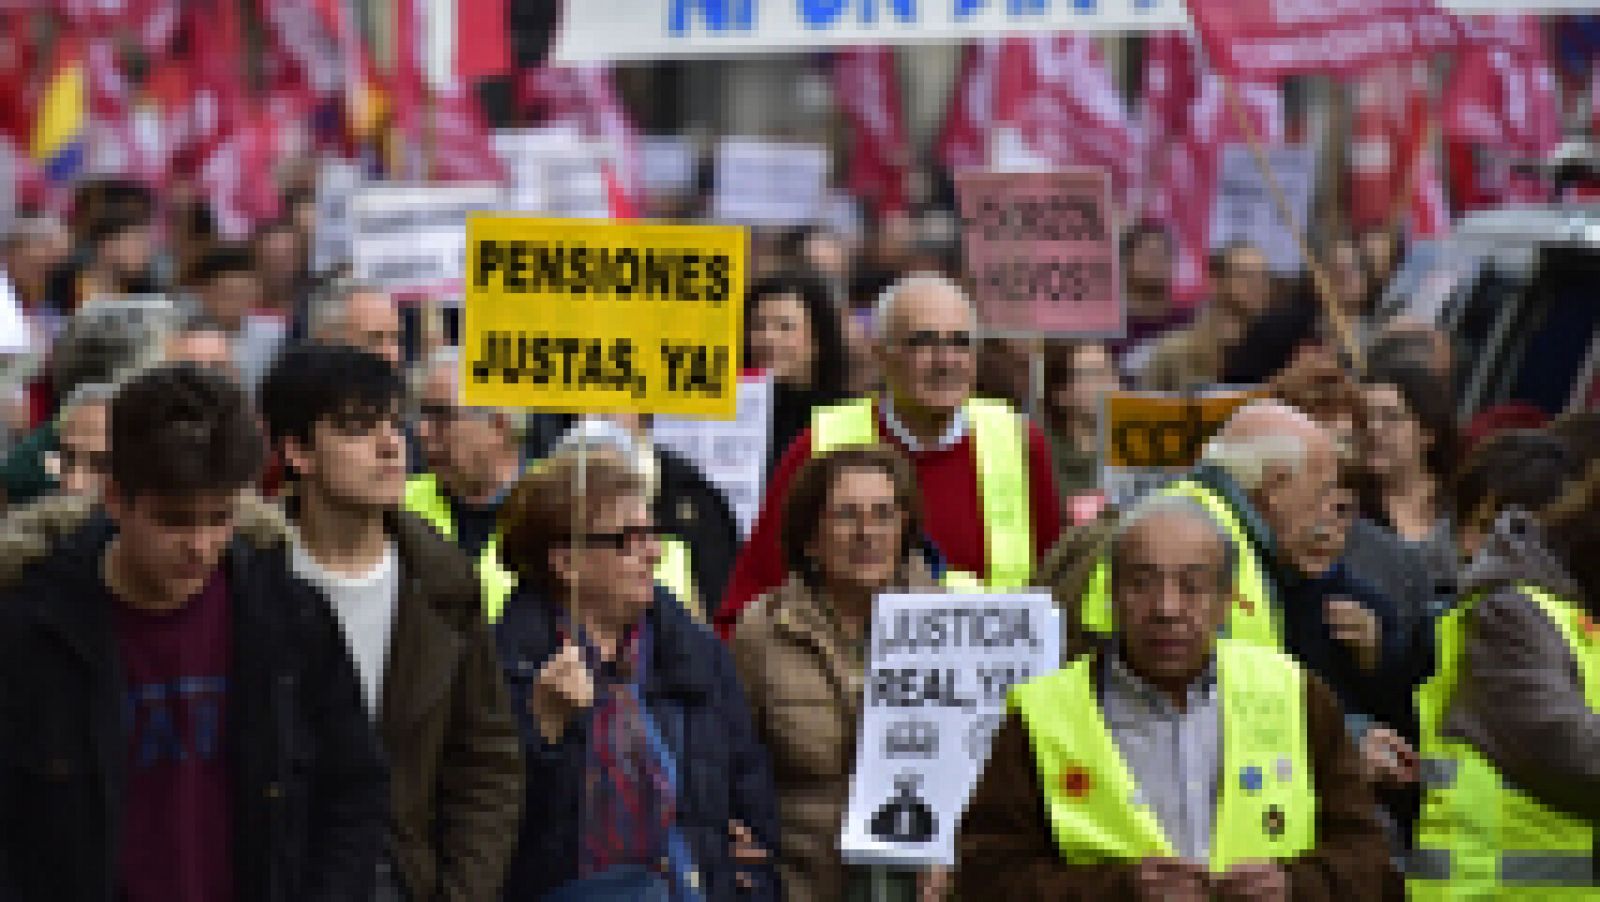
(630, 883)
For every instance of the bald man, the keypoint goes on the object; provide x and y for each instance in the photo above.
(994, 527)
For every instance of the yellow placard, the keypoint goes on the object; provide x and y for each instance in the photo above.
(602, 317)
(1148, 430)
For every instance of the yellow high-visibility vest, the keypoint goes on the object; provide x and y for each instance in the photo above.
(675, 570)
(1251, 617)
(1267, 807)
(1479, 838)
(1000, 442)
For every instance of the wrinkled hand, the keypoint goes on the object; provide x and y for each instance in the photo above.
(563, 688)
(1253, 882)
(1353, 625)
(1387, 758)
(745, 852)
(1170, 880)
(933, 884)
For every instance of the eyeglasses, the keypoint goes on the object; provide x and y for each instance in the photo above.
(923, 341)
(623, 539)
(879, 515)
(68, 459)
(437, 413)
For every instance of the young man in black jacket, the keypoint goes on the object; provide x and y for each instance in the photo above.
(179, 717)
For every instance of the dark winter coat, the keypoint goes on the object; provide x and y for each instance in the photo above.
(693, 694)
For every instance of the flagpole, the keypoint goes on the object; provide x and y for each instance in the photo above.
(1319, 277)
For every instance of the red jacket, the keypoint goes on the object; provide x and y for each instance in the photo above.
(952, 513)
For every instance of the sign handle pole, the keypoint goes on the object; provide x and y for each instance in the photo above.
(1324, 286)
(880, 883)
(1413, 167)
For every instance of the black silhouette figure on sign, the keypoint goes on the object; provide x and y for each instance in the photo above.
(905, 817)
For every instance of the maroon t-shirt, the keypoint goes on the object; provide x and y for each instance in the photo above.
(177, 830)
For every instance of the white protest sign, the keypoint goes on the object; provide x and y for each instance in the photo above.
(15, 336)
(937, 675)
(556, 171)
(668, 163)
(337, 182)
(412, 239)
(1244, 210)
(770, 183)
(730, 454)
(602, 30)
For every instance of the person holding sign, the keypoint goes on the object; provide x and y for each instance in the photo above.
(1169, 764)
(985, 468)
(645, 778)
(852, 525)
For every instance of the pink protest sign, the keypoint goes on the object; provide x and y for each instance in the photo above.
(1042, 252)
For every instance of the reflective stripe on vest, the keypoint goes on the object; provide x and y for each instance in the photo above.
(675, 570)
(1251, 619)
(1477, 836)
(1267, 807)
(1000, 445)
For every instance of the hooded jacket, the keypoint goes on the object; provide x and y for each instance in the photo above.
(1520, 699)
(308, 783)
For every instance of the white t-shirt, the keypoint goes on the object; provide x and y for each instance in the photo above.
(365, 606)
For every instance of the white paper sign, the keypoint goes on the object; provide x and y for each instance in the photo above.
(668, 162)
(15, 337)
(601, 30)
(337, 182)
(730, 454)
(937, 675)
(412, 239)
(1245, 211)
(771, 183)
(556, 172)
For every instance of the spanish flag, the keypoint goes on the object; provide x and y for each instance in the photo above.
(61, 119)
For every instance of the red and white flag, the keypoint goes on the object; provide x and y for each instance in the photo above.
(442, 133)
(1263, 39)
(585, 98)
(868, 90)
(969, 121)
(1500, 107)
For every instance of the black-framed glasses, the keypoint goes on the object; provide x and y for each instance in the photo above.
(923, 341)
(623, 539)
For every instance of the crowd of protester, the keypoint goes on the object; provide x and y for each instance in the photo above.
(281, 619)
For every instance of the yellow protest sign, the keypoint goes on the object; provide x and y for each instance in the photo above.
(573, 315)
(1148, 438)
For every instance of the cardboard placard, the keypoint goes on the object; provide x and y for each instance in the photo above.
(938, 671)
(337, 182)
(574, 315)
(411, 239)
(1150, 438)
(730, 454)
(1244, 210)
(668, 163)
(770, 183)
(1041, 251)
(556, 172)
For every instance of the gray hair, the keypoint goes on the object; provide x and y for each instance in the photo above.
(102, 348)
(328, 303)
(1152, 506)
(1248, 458)
(87, 394)
(33, 228)
(450, 356)
(889, 299)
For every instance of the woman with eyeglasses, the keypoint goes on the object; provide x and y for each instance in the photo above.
(645, 777)
(851, 530)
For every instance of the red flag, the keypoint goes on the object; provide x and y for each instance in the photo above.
(237, 175)
(1500, 107)
(868, 90)
(1274, 38)
(441, 133)
(483, 43)
(964, 140)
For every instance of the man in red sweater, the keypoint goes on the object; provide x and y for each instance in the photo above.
(927, 349)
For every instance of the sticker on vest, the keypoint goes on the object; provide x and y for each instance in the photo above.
(906, 817)
(1075, 781)
(1244, 603)
(1273, 822)
(1250, 779)
(1285, 770)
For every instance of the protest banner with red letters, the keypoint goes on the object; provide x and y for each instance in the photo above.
(1041, 249)
(1274, 38)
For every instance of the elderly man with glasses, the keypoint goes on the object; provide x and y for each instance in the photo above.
(983, 470)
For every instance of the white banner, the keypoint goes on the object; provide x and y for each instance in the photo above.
(602, 30)
(1244, 210)
(770, 183)
(412, 239)
(730, 454)
(938, 671)
(337, 182)
(556, 172)
(668, 163)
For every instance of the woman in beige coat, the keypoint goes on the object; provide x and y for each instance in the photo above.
(851, 531)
